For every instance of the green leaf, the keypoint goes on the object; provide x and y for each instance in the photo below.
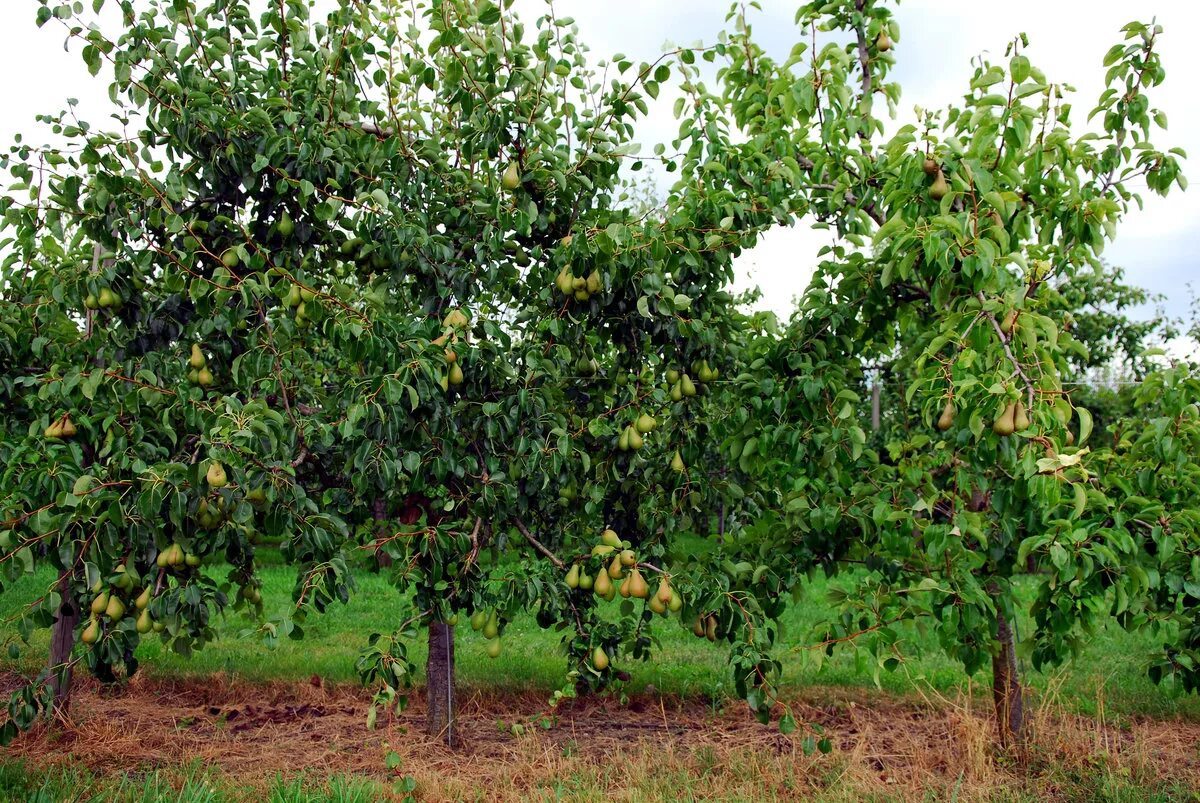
(1085, 424)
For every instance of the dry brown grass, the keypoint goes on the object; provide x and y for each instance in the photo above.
(654, 748)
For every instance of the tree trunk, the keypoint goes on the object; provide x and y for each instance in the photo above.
(1006, 688)
(439, 679)
(876, 390)
(62, 642)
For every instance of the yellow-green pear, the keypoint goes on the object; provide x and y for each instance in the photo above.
(91, 633)
(676, 603)
(638, 586)
(687, 387)
(645, 424)
(573, 576)
(492, 628)
(100, 603)
(144, 623)
(946, 419)
(939, 188)
(677, 462)
(455, 376)
(600, 659)
(628, 558)
(493, 647)
(204, 377)
(216, 475)
(663, 593)
(115, 609)
(1006, 423)
(635, 439)
(511, 178)
(585, 581)
(883, 42)
(698, 627)
(615, 569)
(610, 538)
(603, 585)
(197, 360)
(143, 599)
(657, 606)
(1020, 417)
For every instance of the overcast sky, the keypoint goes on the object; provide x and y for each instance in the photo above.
(1068, 39)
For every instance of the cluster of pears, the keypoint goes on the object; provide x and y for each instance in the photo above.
(298, 298)
(211, 514)
(1013, 418)
(578, 287)
(175, 557)
(453, 374)
(250, 592)
(108, 603)
(489, 623)
(705, 626)
(107, 298)
(633, 584)
(62, 427)
(940, 187)
(631, 437)
(198, 372)
(454, 321)
(680, 385)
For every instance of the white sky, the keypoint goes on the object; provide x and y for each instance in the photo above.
(1068, 39)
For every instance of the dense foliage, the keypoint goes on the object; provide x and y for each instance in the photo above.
(378, 283)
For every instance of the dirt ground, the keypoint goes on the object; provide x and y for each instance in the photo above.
(884, 746)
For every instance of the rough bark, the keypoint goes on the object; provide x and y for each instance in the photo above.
(62, 642)
(439, 677)
(1007, 694)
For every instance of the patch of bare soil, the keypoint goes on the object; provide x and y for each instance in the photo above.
(653, 747)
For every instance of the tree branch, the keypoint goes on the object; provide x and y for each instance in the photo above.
(538, 544)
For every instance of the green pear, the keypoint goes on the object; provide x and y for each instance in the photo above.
(216, 475)
(1006, 424)
(600, 659)
(946, 419)
(511, 179)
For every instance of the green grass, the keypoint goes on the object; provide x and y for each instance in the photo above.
(1110, 670)
(20, 783)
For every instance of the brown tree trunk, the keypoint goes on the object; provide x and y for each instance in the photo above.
(62, 642)
(439, 679)
(1007, 693)
(876, 390)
